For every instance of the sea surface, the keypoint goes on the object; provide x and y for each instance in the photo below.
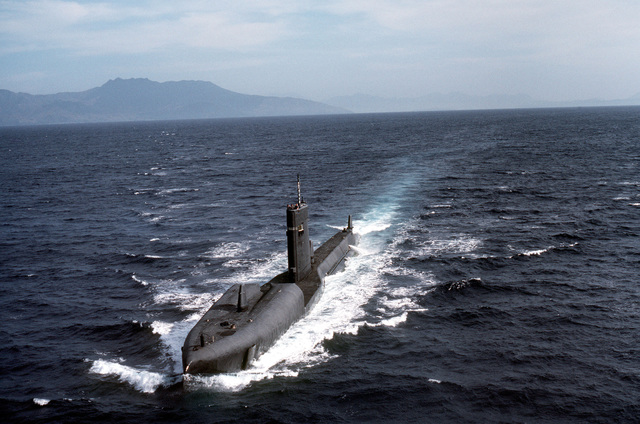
(496, 280)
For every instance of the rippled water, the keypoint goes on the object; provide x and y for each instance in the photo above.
(496, 278)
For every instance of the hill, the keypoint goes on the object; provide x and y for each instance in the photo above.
(140, 99)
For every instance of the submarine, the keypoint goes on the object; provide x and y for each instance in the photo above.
(248, 318)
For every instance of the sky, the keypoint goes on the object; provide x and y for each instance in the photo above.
(549, 49)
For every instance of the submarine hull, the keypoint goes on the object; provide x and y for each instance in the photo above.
(249, 318)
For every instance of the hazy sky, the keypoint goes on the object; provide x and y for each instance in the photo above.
(549, 49)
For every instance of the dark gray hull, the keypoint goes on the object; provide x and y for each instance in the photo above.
(249, 318)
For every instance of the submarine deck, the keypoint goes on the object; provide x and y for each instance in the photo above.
(310, 284)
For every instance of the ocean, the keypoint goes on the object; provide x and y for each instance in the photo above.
(496, 278)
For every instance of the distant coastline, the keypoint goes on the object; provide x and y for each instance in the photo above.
(140, 99)
(362, 103)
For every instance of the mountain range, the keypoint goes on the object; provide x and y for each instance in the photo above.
(139, 99)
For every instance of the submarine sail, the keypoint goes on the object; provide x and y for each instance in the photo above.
(298, 245)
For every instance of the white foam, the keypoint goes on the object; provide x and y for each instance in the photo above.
(161, 328)
(41, 401)
(536, 252)
(371, 228)
(180, 205)
(453, 244)
(182, 298)
(177, 190)
(258, 271)
(434, 245)
(227, 250)
(139, 280)
(173, 340)
(395, 321)
(141, 380)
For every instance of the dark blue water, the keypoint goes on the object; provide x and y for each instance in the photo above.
(496, 280)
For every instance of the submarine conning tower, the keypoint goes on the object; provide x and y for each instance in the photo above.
(299, 247)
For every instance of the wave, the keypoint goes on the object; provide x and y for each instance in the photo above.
(227, 250)
(140, 258)
(396, 320)
(177, 190)
(539, 252)
(176, 293)
(164, 192)
(141, 380)
(458, 244)
(139, 280)
(414, 240)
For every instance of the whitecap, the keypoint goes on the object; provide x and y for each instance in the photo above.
(536, 252)
(137, 279)
(227, 250)
(161, 328)
(177, 190)
(393, 321)
(141, 380)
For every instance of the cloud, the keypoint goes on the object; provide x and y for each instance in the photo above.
(461, 26)
(99, 28)
(538, 24)
(391, 45)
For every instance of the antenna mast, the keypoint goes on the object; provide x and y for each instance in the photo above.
(299, 195)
